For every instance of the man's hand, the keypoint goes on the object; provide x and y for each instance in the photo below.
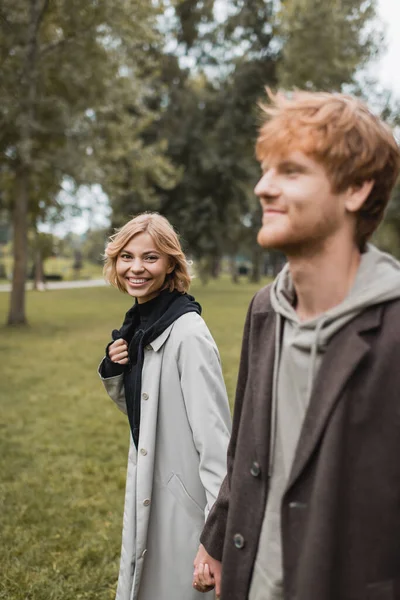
(118, 352)
(207, 572)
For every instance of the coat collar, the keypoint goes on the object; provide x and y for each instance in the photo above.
(162, 338)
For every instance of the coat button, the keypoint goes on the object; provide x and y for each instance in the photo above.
(148, 347)
(146, 502)
(145, 396)
(255, 469)
(238, 540)
(143, 451)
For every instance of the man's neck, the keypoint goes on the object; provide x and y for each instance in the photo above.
(323, 278)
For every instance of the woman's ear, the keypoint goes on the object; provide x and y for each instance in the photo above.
(357, 195)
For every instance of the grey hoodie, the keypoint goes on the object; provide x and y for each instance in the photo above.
(297, 360)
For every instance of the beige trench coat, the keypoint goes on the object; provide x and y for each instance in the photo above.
(174, 477)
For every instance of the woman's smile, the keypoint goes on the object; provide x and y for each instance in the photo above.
(136, 281)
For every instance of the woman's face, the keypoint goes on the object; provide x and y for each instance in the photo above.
(142, 268)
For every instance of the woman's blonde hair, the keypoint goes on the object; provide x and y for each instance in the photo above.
(342, 134)
(166, 241)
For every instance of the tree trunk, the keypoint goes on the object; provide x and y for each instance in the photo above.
(233, 269)
(16, 315)
(215, 267)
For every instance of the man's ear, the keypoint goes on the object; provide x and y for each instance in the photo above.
(357, 195)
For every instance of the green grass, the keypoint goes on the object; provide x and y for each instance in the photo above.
(63, 444)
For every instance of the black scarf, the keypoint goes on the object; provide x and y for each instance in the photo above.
(164, 310)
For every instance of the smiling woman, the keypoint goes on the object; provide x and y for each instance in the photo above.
(142, 268)
(162, 369)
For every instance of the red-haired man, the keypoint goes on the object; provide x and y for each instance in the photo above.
(310, 508)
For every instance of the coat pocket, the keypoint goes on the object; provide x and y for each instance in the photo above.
(182, 496)
(381, 590)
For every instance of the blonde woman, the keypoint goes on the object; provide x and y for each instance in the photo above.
(163, 370)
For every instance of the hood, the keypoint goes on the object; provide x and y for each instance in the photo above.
(377, 281)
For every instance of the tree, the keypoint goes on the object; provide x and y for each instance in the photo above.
(326, 42)
(208, 122)
(211, 78)
(66, 69)
(387, 237)
(94, 245)
(42, 247)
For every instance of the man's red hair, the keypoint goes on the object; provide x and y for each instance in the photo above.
(342, 134)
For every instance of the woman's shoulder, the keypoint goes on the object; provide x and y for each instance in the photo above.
(189, 326)
(190, 321)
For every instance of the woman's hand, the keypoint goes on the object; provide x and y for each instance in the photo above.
(207, 572)
(118, 352)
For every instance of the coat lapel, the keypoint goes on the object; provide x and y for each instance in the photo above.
(261, 377)
(344, 354)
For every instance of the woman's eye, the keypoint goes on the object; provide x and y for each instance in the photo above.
(151, 257)
(125, 256)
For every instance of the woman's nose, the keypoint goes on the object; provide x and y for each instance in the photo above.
(137, 265)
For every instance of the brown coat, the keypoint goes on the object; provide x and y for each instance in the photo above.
(341, 508)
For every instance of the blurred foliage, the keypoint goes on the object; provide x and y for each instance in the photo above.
(156, 102)
(325, 42)
(387, 236)
(212, 76)
(41, 247)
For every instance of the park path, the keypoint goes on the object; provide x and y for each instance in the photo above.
(61, 285)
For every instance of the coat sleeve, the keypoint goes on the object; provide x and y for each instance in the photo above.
(114, 387)
(207, 406)
(213, 535)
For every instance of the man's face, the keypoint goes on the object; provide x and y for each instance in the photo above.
(300, 211)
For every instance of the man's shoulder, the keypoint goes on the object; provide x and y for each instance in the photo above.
(262, 300)
(392, 305)
(391, 311)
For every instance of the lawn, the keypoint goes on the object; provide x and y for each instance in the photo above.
(63, 444)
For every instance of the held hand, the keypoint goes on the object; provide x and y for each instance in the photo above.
(207, 572)
(118, 352)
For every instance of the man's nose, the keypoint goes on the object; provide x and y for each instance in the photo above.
(267, 185)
